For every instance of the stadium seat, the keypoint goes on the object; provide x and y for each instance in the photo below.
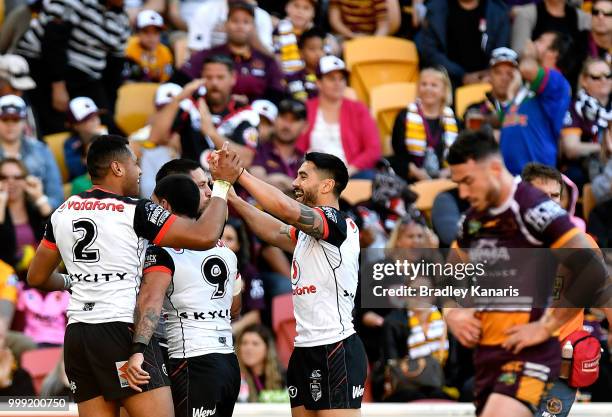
(427, 191)
(55, 142)
(283, 324)
(468, 95)
(357, 191)
(385, 102)
(135, 104)
(376, 60)
(588, 201)
(39, 363)
(350, 93)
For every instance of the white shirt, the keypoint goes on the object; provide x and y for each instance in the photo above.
(326, 137)
(324, 275)
(207, 26)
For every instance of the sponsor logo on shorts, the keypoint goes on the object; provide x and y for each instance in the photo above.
(315, 385)
(73, 387)
(554, 405)
(508, 378)
(203, 412)
(292, 391)
(164, 369)
(316, 373)
(122, 373)
(358, 391)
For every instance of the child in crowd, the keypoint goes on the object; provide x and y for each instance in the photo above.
(303, 83)
(148, 59)
(300, 16)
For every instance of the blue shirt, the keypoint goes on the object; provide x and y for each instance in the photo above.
(532, 126)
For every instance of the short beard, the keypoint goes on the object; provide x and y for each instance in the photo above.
(309, 199)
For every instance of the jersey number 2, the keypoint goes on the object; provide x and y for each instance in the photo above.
(215, 273)
(81, 251)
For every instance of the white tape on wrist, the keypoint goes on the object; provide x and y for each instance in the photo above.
(220, 189)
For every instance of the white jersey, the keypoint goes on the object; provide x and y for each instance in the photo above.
(102, 239)
(324, 274)
(198, 301)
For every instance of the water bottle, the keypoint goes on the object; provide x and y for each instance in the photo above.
(566, 360)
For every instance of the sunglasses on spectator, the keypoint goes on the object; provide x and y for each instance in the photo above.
(600, 76)
(597, 12)
(12, 177)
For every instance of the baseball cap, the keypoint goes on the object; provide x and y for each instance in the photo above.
(16, 70)
(503, 54)
(329, 64)
(149, 18)
(266, 109)
(12, 107)
(240, 5)
(293, 106)
(81, 108)
(166, 92)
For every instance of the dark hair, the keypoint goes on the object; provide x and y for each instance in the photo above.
(234, 5)
(103, 150)
(243, 254)
(176, 166)
(181, 192)
(313, 32)
(220, 59)
(475, 145)
(563, 44)
(293, 106)
(333, 166)
(535, 170)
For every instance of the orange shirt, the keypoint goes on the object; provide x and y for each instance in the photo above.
(156, 65)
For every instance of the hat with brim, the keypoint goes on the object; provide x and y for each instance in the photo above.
(12, 107)
(329, 64)
(16, 71)
(81, 109)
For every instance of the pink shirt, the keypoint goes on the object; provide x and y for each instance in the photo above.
(45, 314)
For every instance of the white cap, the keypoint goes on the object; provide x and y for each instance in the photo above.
(80, 108)
(149, 18)
(16, 70)
(166, 92)
(12, 106)
(266, 109)
(329, 64)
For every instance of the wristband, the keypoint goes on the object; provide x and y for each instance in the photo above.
(43, 199)
(67, 281)
(138, 348)
(220, 189)
(239, 175)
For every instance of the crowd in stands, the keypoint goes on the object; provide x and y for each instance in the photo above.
(271, 78)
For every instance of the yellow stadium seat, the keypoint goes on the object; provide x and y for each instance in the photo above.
(55, 142)
(468, 95)
(385, 102)
(427, 190)
(357, 191)
(588, 201)
(376, 60)
(135, 104)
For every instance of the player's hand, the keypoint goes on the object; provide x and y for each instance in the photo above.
(462, 323)
(135, 374)
(525, 335)
(225, 164)
(207, 125)
(33, 187)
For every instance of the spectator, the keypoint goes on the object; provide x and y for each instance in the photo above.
(300, 17)
(586, 122)
(34, 154)
(351, 19)
(9, 283)
(532, 20)
(339, 126)
(23, 212)
(133, 7)
(267, 116)
(45, 315)
(257, 74)
(602, 183)
(303, 83)
(461, 34)
(208, 27)
(447, 209)
(423, 132)
(83, 181)
(208, 119)
(66, 60)
(600, 222)
(557, 50)
(84, 121)
(600, 39)
(14, 380)
(236, 239)
(15, 80)
(277, 161)
(148, 59)
(17, 23)
(533, 120)
(259, 367)
(488, 113)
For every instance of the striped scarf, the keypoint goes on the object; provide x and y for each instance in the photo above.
(286, 46)
(416, 138)
(433, 342)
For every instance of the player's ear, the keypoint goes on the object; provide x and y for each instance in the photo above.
(328, 186)
(496, 167)
(164, 203)
(117, 168)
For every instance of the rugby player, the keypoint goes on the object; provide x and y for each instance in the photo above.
(507, 213)
(101, 237)
(194, 170)
(327, 370)
(200, 291)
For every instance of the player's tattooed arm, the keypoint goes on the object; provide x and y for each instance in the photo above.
(146, 322)
(310, 222)
(148, 306)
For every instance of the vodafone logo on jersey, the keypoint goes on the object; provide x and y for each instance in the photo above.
(91, 205)
(305, 290)
(295, 272)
